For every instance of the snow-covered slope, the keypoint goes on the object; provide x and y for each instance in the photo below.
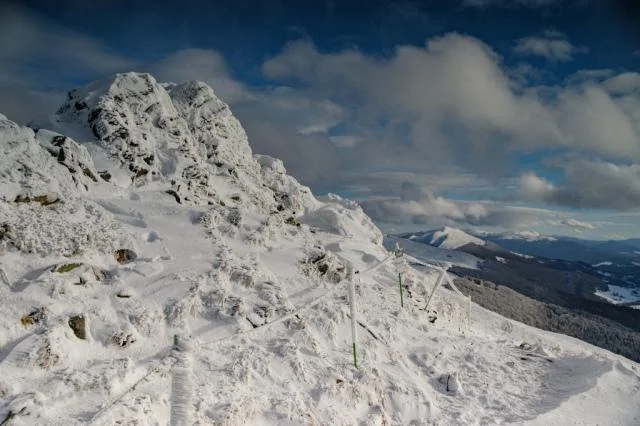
(211, 289)
(446, 238)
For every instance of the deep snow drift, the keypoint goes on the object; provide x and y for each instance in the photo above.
(154, 270)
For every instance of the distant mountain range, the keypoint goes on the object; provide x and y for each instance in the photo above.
(573, 249)
(588, 279)
(531, 243)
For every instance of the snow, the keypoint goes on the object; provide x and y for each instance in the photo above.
(527, 235)
(617, 294)
(501, 259)
(426, 253)
(447, 238)
(605, 263)
(251, 272)
(524, 256)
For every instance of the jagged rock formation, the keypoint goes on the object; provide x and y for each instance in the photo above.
(180, 136)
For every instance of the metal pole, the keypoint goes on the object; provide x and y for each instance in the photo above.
(399, 253)
(435, 287)
(354, 336)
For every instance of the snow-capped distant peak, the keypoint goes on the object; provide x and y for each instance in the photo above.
(452, 238)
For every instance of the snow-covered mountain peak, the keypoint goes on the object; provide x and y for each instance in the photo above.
(453, 238)
(446, 238)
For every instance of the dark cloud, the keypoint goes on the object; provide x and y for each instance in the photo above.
(511, 3)
(31, 46)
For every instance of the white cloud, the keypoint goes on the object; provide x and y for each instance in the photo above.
(574, 223)
(431, 211)
(589, 75)
(456, 103)
(553, 46)
(533, 187)
(588, 184)
(625, 83)
(438, 211)
(420, 206)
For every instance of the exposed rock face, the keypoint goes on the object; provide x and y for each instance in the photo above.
(181, 136)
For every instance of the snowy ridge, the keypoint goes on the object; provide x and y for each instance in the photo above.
(250, 271)
(446, 238)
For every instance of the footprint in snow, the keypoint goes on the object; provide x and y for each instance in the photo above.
(152, 236)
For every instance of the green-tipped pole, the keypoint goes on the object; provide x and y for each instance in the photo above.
(355, 356)
(400, 284)
(354, 334)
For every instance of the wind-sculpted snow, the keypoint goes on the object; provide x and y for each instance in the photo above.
(157, 271)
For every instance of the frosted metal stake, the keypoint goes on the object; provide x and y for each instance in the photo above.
(398, 252)
(352, 301)
(469, 313)
(435, 287)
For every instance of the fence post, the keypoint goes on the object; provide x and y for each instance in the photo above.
(469, 313)
(399, 263)
(435, 287)
(352, 301)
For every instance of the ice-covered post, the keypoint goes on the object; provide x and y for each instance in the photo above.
(398, 253)
(435, 287)
(352, 302)
(468, 312)
(181, 385)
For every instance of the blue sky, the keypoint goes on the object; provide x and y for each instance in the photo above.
(483, 114)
